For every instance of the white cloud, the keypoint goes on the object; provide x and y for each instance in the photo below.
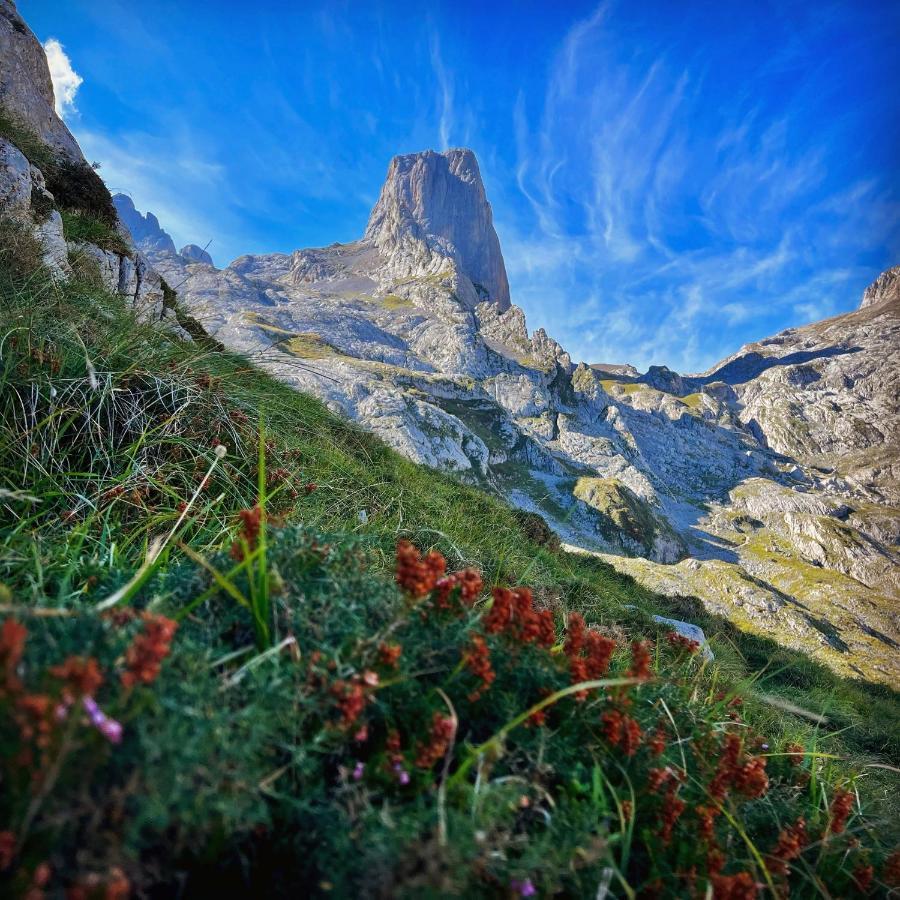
(66, 80)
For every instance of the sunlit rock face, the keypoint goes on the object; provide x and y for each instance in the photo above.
(766, 487)
(433, 208)
(26, 91)
(26, 203)
(884, 289)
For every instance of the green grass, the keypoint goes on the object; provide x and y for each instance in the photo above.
(234, 769)
(78, 226)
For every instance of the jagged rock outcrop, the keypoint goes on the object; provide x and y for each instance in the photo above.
(766, 487)
(145, 230)
(885, 288)
(26, 91)
(25, 201)
(432, 209)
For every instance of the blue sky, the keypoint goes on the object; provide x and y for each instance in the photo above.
(669, 180)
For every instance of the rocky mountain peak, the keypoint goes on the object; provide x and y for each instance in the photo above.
(885, 287)
(433, 208)
(193, 253)
(145, 229)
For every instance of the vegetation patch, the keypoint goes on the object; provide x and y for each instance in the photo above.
(393, 301)
(75, 186)
(622, 512)
(200, 695)
(81, 226)
(306, 345)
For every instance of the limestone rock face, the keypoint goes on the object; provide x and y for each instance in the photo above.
(24, 200)
(131, 276)
(768, 487)
(145, 230)
(193, 253)
(26, 91)
(884, 288)
(433, 208)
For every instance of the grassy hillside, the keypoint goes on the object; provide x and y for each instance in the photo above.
(218, 674)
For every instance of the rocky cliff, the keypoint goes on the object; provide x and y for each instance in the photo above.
(766, 487)
(432, 209)
(26, 91)
(49, 196)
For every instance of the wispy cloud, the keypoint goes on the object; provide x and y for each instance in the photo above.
(445, 94)
(666, 214)
(66, 80)
(157, 174)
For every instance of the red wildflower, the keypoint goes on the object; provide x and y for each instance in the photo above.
(577, 674)
(891, 871)
(415, 575)
(442, 731)
(657, 743)
(478, 661)
(795, 753)
(82, 676)
(500, 615)
(312, 486)
(351, 700)
(251, 523)
(707, 816)
(598, 651)
(144, 657)
(641, 660)
(389, 655)
(7, 849)
(791, 842)
(681, 643)
(672, 808)
(34, 716)
(513, 612)
(863, 876)
(12, 646)
(841, 807)
(469, 583)
(715, 860)
(546, 629)
(621, 730)
(575, 635)
(751, 779)
(747, 775)
(656, 778)
(734, 887)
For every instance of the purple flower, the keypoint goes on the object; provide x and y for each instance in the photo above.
(524, 888)
(358, 771)
(109, 728)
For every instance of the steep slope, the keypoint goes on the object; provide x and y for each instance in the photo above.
(766, 487)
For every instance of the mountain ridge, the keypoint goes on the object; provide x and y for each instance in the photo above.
(659, 473)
